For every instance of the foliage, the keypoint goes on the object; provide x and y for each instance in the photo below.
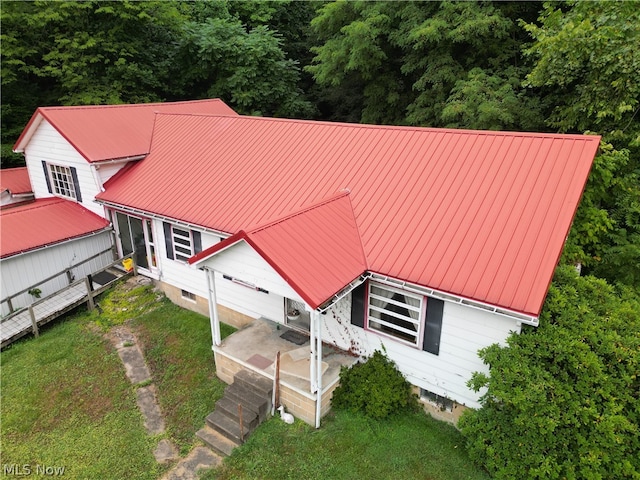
(10, 159)
(122, 304)
(351, 445)
(66, 402)
(374, 387)
(563, 399)
(248, 69)
(414, 62)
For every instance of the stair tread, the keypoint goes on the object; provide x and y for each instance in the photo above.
(216, 440)
(230, 406)
(248, 397)
(258, 382)
(226, 426)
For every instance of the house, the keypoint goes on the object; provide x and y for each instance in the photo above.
(429, 243)
(14, 186)
(49, 242)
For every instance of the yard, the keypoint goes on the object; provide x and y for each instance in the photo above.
(66, 403)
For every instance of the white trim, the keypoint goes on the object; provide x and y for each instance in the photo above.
(449, 297)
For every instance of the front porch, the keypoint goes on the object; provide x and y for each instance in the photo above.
(255, 347)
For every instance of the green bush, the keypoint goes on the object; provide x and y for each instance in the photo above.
(376, 388)
(562, 400)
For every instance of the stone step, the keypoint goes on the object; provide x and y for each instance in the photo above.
(249, 399)
(230, 408)
(254, 381)
(216, 441)
(227, 426)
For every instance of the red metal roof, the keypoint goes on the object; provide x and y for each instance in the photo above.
(301, 243)
(16, 180)
(107, 132)
(44, 222)
(482, 215)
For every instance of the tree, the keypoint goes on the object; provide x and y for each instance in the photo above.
(414, 62)
(586, 64)
(563, 399)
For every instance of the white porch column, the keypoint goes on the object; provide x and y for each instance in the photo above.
(214, 320)
(318, 324)
(312, 352)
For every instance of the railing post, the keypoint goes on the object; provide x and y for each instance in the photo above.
(135, 266)
(241, 423)
(87, 282)
(10, 304)
(34, 323)
(69, 276)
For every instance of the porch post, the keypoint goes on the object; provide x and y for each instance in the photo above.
(214, 320)
(312, 352)
(318, 323)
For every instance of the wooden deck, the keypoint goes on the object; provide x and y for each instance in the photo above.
(43, 311)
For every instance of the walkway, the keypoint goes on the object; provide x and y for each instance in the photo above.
(137, 371)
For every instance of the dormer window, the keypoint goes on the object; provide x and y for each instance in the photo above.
(62, 181)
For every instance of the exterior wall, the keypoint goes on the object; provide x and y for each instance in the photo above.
(465, 330)
(48, 145)
(245, 303)
(23, 271)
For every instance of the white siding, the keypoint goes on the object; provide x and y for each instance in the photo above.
(23, 271)
(48, 145)
(465, 330)
(243, 263)
(108, 170)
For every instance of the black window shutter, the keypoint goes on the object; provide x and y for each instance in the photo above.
(168, 242)
(76, 184)
(197, 241)
(46, 175)
(433, 326)
(358, 296)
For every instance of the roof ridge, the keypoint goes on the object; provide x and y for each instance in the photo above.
(35, 204)
(505, 133)
(122, 105)
(337, 196)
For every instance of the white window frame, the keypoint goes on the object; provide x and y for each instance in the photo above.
(182, 244)
(61, 180)
(391, 330)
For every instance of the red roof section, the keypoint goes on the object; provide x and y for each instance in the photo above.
(322, 240)
(107, 132)
(44, 222)
(482, 215)
(16, 180)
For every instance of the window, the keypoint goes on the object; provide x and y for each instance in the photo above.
(188, 295)
(181, 243)
(443, 403)
(62, 181)
(135, 235)
(395, 312)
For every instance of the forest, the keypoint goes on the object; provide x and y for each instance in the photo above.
(562, 400)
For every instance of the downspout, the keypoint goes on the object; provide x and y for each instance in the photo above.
(214, 320)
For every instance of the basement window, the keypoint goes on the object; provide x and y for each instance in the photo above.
(443, 403)
(188, 296)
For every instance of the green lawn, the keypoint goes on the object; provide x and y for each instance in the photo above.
(66, 402)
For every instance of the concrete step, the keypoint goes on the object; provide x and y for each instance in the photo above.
(227, 427)
(230, 408)
(254, 381)
(216, 441)
(249, 399)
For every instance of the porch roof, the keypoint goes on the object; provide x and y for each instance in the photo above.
(317, 250)
(45, 222)
(15, 180)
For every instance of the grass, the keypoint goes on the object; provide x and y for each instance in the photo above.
(349, 446)
(66, 402)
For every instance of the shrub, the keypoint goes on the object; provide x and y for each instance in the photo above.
(563, 400)
(375, 388)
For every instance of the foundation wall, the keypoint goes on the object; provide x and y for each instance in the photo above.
(302, 406)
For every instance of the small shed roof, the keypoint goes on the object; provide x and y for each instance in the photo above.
(478, 214)
(317, 250)
(15, 180)
(108, 132)
(45, 222)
